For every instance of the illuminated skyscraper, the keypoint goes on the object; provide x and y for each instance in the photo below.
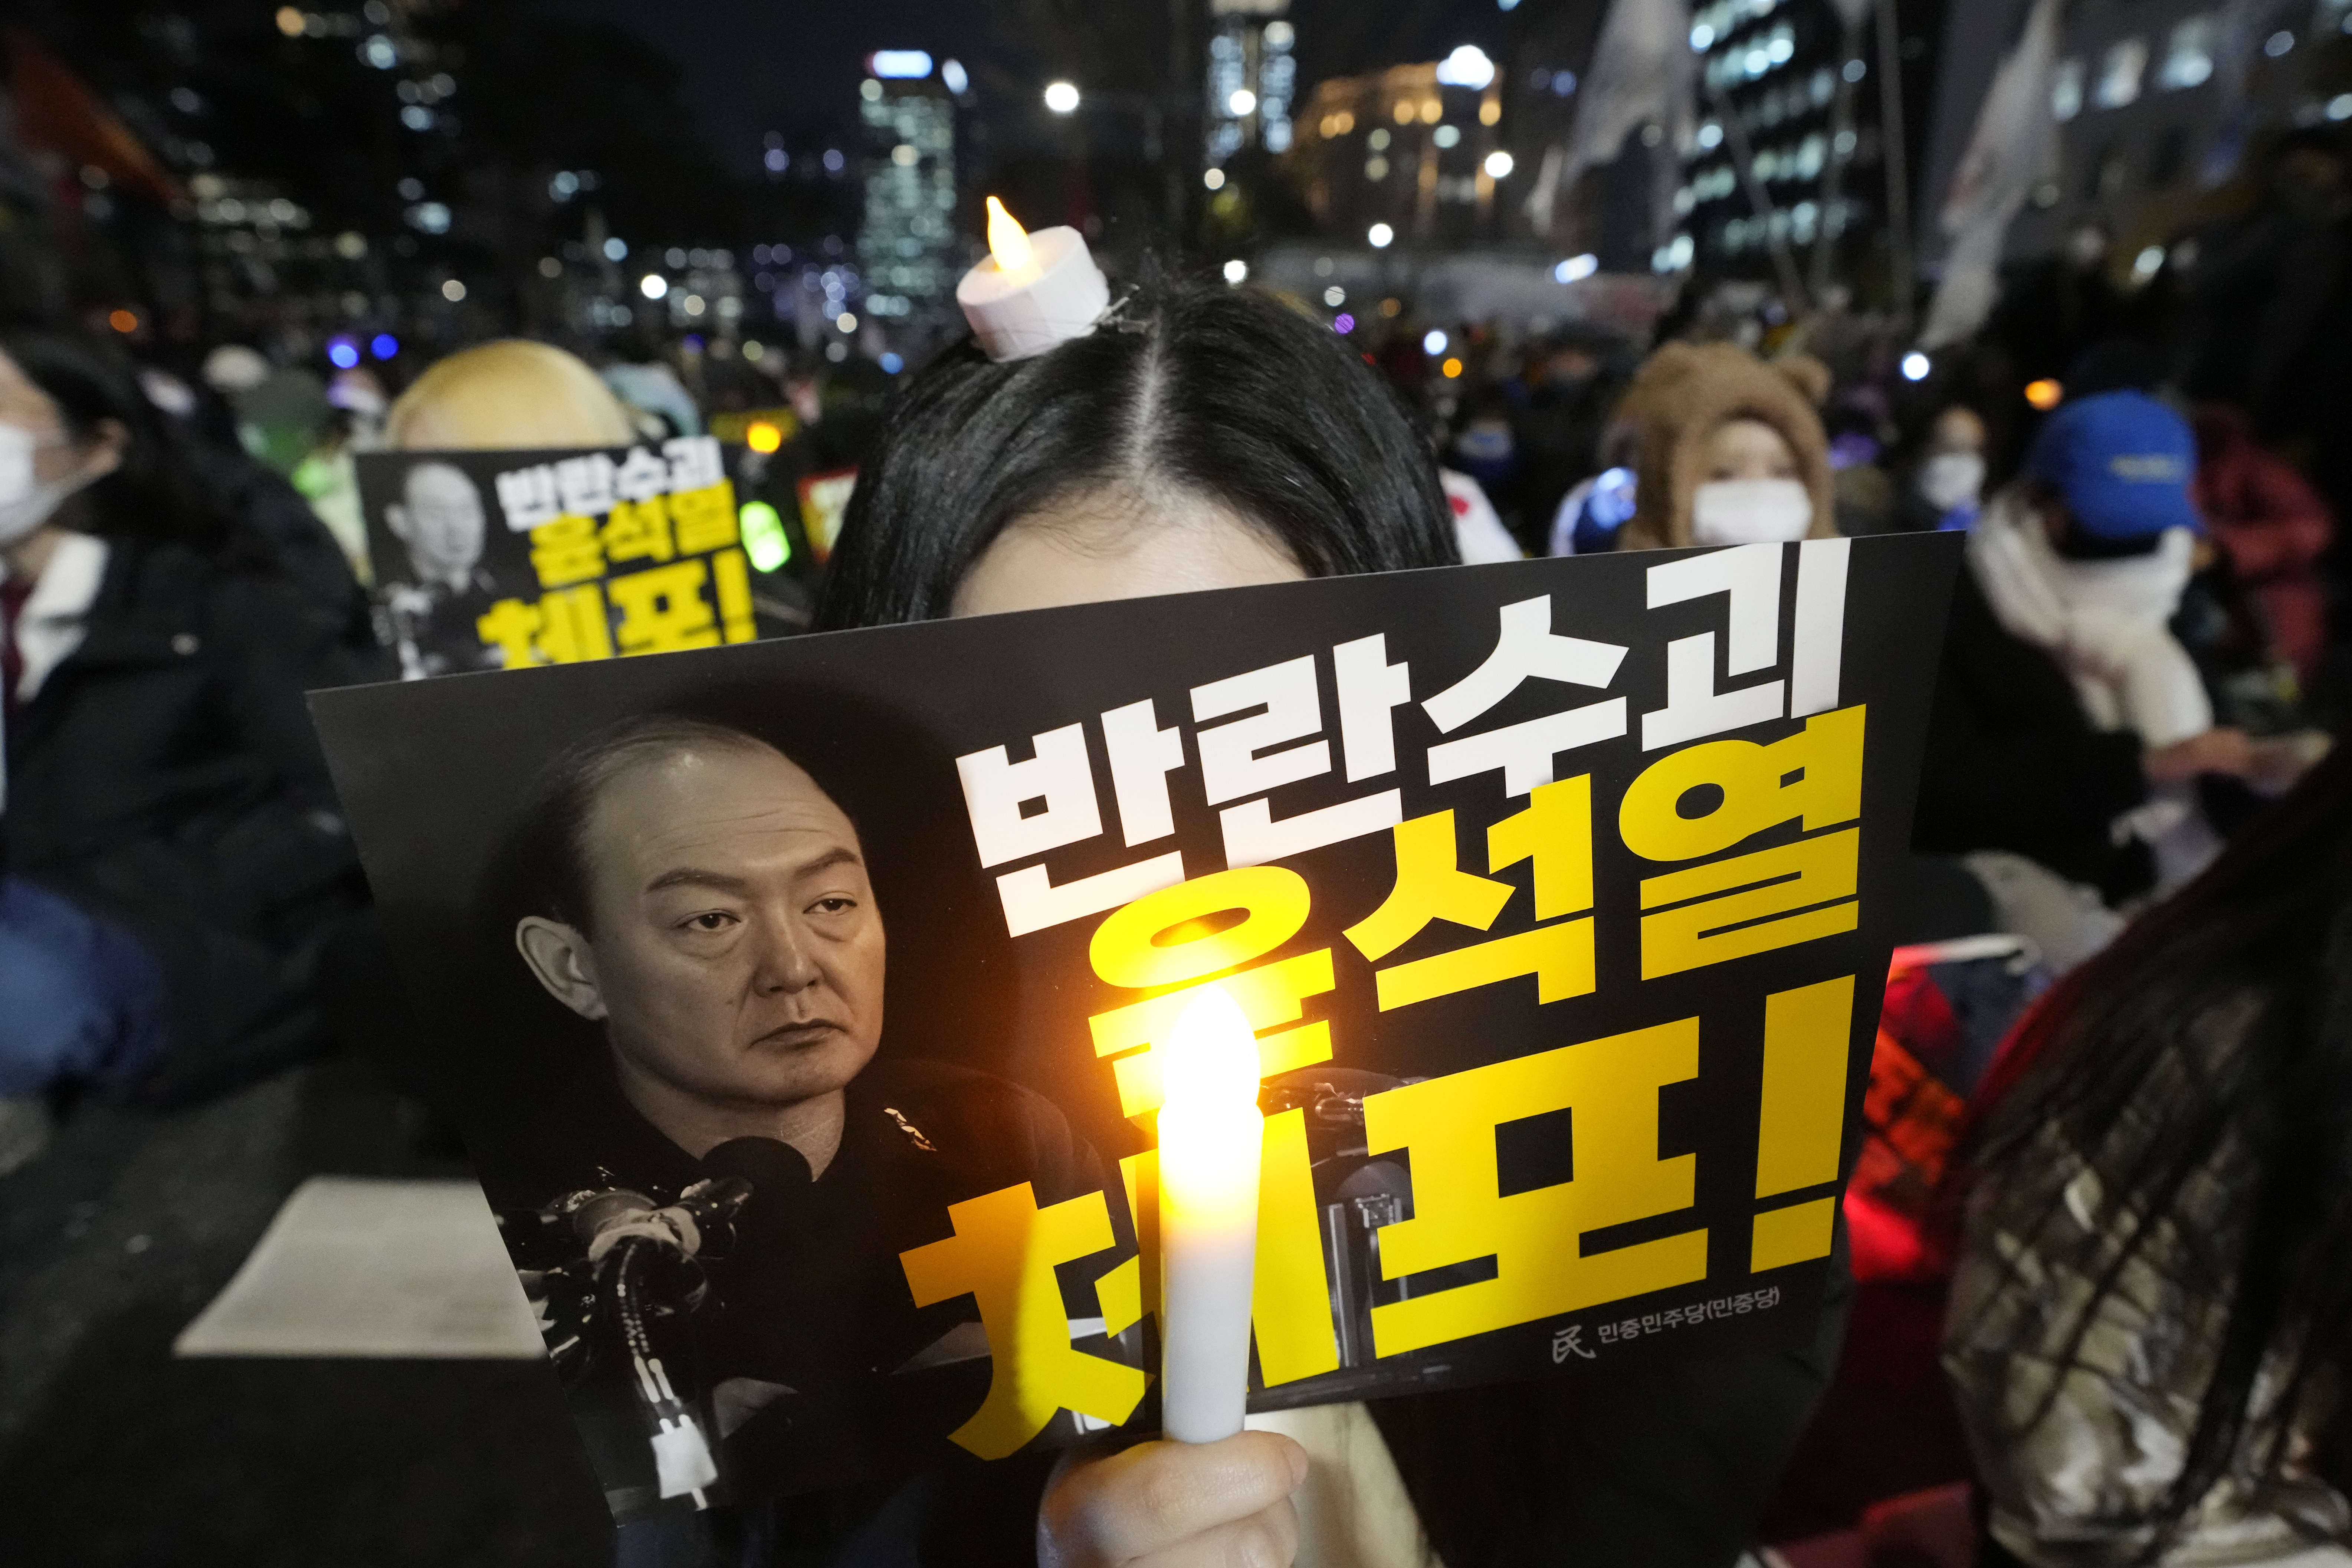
(1252, 78)
(906, 248)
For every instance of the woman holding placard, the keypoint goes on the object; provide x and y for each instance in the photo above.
(1184, 438)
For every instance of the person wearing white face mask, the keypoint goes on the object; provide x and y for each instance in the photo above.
(1728, 451)
(2069, 724)
(171, 858)
(1947, 486)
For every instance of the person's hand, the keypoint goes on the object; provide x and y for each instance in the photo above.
(2219, 750)
(1176, 1505)
(2281, 761)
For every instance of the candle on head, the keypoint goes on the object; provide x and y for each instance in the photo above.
(1034, 290)
(1210, 1135)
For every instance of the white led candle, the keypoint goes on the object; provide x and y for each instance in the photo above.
(1033, 292)
(1210, 1133)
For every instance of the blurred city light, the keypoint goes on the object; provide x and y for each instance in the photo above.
(2278, 43)
(1343, 322)
(1467, 65)
(1215, 179)
(765, 544)
(953, 78)
(762, 435)
(617, 249)
(290, 21)
(1244, 101)
(652, 285)
(1236, 269)
(1915, 366)
(1335, 296)
(891, 362)
(1576, 268)
(1498, 164)
(342, 352)
(900, 65)
(1433, 341)
(845, 323)
(1452, 367)
(2148, 263)
(2044, 394)
(1061, 97)
(452, 290)
(1379, 235)
(122, 321)
(384, 345)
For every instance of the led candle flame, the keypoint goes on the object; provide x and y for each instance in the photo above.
(1034, 290)
(1210, 1135)
(1008, 242)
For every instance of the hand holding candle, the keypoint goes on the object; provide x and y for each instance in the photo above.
(1034, 290)
(1210, 1133)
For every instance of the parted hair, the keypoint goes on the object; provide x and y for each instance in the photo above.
(1223, 392)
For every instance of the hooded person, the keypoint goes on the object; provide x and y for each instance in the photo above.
(1728, 451)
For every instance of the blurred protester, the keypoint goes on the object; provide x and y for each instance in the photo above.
(1947, 481)
(328, 478)
(2151, 1314)
(1484, 449)
(280, 422)
(2069, 723)
(173, 860)
(1729, 451)
(2262, 286)
(510, 394)
(2273, 526)
(1560, 408)
(1272, 454)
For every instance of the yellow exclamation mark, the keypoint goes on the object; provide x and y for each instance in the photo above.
(1802, 1120)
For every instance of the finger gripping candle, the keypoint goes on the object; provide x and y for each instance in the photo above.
(1210, 1133)
(1034, 290)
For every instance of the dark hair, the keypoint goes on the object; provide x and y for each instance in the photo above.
(2215, 1037)
(157, 492)
(546, 869)
(1221, 392)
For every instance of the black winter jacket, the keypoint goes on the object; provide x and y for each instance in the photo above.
(2013, 762)
(166, 773)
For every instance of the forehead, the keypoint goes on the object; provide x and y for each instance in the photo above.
(706, 799)
(439, 481)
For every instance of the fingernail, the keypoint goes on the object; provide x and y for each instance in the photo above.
(1298, 1465)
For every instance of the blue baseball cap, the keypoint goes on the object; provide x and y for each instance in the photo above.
(2123, 461)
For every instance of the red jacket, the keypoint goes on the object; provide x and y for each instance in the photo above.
(2272, 525)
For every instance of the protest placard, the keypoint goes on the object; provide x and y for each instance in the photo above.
(500, 560)
(1555, 892)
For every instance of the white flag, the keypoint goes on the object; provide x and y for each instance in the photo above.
(1641, 72)
(2013, 149)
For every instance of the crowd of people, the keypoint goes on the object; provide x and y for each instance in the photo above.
(2128, 770)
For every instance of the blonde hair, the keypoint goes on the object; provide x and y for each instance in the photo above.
(511, 393)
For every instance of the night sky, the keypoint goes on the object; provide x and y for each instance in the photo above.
(753, 66)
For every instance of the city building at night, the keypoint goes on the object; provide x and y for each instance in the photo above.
(906, 248)
(1414, 151)
(1253, 79)
(1789, 91)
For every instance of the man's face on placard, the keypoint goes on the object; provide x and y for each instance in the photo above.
(440, 518)
(735, 950)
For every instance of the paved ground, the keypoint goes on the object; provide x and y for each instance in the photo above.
(113, 1453)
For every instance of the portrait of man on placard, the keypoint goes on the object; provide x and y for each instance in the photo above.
(713, 1220)
(442, 524)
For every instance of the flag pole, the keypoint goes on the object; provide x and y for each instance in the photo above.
(1896, 163)
(1784, 263)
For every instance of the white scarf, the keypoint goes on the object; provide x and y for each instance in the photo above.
(2103, 621)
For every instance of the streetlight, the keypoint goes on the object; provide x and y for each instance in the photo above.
(1061, 97)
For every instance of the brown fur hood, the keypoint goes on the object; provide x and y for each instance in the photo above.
(1683, 392)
